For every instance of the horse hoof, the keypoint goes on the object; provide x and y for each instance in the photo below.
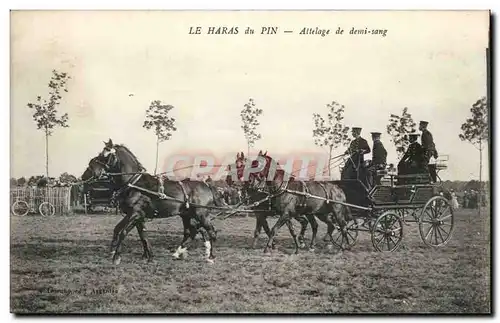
(329, 246)
(267, 251)
(311, 249)
(210, 260)
(117, 260)
(302, 245)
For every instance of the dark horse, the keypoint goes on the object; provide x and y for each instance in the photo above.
(141, 195)
(289, 200)
(254, 196)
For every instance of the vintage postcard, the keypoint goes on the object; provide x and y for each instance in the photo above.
(333, 162)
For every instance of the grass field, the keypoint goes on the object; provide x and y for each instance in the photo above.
(62, 264)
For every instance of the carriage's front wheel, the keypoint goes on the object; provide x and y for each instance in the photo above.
(348, 237)
(387, 232)
(436, 222)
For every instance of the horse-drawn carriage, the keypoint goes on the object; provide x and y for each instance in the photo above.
(346, 206)
(98, 193)
(384, 209)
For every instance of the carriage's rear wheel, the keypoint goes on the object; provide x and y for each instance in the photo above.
(350, 236)
(47, 209)
(387, 232)
(20, 208)
(436, 222)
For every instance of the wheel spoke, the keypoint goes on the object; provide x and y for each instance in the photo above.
(338, 236)
(380, 241)
(446, 217)
(395, 243)
(388, 244)
(440, 235)
(441, 229)
(396, 230)
(428, 232)
(436, 235)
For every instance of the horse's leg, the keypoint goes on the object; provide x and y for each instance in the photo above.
(118, 228)
(148, 252)
(265, 225)
(314, 226)
(329, 231)
(212, 236)
(284, 218)
(189, 235)
(261, 216)
(294, 236)
(122, 232)
(303, 220)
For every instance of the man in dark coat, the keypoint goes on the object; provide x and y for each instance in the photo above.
(428, 148)
(379, 157)
(412, 161)
(357, 149)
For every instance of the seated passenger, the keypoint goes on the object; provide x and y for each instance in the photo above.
(412, 161)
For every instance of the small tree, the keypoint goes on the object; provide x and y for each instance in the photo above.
(66, 178)
(45, 110)
(331, 133)
(157, 118)
(476, 131)
(249, 117)
(398, 128)
(21, 181)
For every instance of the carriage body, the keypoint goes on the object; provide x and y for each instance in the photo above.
(98, 193)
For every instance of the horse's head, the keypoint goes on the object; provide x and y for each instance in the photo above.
(97, 168)
(119, 158)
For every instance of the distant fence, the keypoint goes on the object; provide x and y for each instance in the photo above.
(59, 197)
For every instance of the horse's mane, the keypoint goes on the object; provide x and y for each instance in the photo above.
(134, 158)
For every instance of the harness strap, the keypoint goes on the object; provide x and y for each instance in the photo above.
(305, 190)
(161, 187)
(326, 192)
(186, 197)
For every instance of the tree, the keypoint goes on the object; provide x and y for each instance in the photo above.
(476, 131)
(331, 133)
(21, 181)
(398, 128)
(45, 110)
(249, 117)
(157, 118)
(66, 178)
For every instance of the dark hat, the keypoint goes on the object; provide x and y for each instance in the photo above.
(424, 123)
(356, 129)
(376, 134)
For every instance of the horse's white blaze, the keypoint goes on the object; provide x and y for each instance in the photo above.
(208, 245)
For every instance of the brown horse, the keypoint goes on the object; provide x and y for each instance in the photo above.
(138, 195)
(253, 196)
(290, 199)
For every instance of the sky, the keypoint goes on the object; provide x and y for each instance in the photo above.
(431, 62)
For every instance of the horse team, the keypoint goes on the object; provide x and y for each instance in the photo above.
(143, 196)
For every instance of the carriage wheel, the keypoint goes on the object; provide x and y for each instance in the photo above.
(351, 235)
(387, 232)
(20, 208)
(47, 209)
(436, 222)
